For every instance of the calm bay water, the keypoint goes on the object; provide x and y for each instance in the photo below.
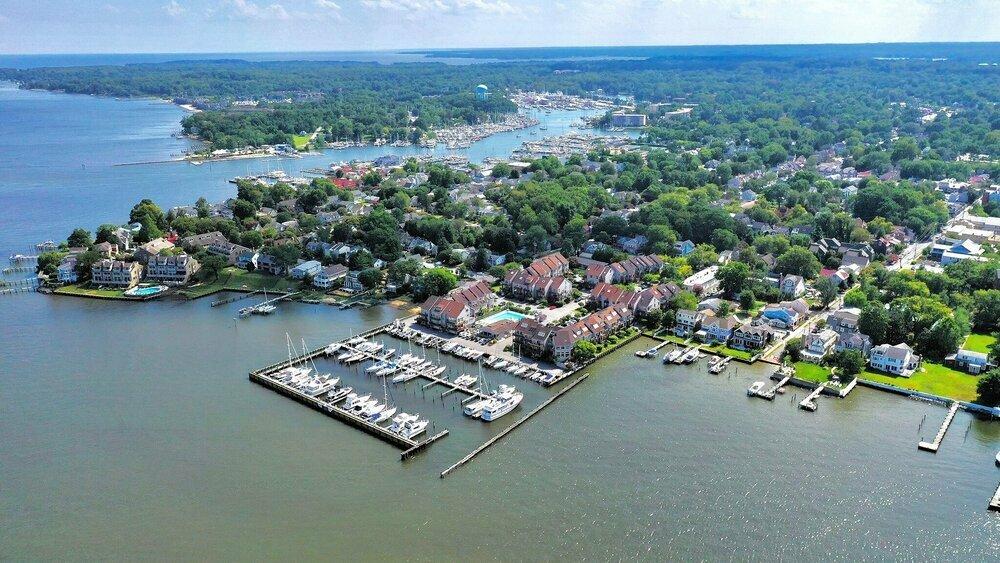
(131, 430)
(58, 155)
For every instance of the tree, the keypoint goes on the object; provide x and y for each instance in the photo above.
(534, 239)
(724, 239)
(436, 281)
(243, 209)
(734, 278)
(943, 338)
(381, 235)
(855, 297)
(48, 262)
(827, 290)
(686, 300)
(874, 321)
(79, 237)
(212, 265)
(988, 388)
(252, 239)
(370, 277)
(84, 261)
(987, 309)
(106, 233)
(702, 256)
(850, 363)
(794, 349)
(285, 255)
(799, 261)
(583, 351)
(905, 148)
(747, 299)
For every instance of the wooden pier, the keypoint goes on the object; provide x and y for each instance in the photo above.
(770, 393)
(933, 446)
(511, 428)
(809, 403)
(995, 501)
(234, 298)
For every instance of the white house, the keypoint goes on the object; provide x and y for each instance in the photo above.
(66, 272)
(687, 322)
(307, 268)
(792, 286)
(326, 277)
(898, 359)
(972, 362)
(816, 345)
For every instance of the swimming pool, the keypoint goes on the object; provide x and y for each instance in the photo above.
(503, 316)
(145, 291)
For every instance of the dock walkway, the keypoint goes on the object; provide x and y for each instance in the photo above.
(809, 403)
(770, 393)
(995, 501)
(511, 428)
(933, 446)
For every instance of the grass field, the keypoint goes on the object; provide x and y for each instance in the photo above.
(91, 292)
(932, 378)
(979, 342)
(727, 351)
(300, 141)
(812, 372)
(236, 279)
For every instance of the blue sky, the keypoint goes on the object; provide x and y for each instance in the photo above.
(129, 26)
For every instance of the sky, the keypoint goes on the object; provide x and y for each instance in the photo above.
(194, 26)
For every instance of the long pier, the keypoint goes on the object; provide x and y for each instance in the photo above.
(234, 298)
(770, 393)
(933, 446)
(486, 445)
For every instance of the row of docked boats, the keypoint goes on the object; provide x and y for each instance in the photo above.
(682, 356)
(464, 352)
(499, 403)
(521, 370)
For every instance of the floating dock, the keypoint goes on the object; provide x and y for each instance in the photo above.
(933, 446)
(770, 393)
(511, 428)
(995, 501)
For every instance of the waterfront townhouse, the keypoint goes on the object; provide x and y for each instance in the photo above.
(629, 270)
(595, 327)
(687, 322)
(816, 345)
(641, 302)
(554, 264)
(171, 270)
(750, 337)
(792, 286)
(106, 249)
(307, 268)
(476, 295)
(719, 329)
(269, 265)
(599, 272)
(66, 272)
(152, 248)
(115, 273)
(447, 314)
(329, 276)
(351, 281)
(898, 359)
(522, 284)
(532, 338)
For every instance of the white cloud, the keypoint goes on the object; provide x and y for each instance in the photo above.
(443, 6)
(328, 5)
(174, 9)
(248, 9)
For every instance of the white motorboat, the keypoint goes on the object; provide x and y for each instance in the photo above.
(502, 404)
(362, 405)
(413, 429)
(434, 372)
(377, 366)
(475, 408)
(500, 365)
(373, 409)
(465, 380)
(405, 376)
(401, 419)
(755, 388)
(353, 399)
(346, 354)
(338, 394)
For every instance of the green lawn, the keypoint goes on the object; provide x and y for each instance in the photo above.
(932, 378)
(727, 351)
(235, 279)
(812, 372)
(91, 292)
(300, 141)
(979, 342)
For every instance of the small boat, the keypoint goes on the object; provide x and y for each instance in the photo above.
(755, 388)
(405, 376)
(338, 394)
(353, 399)
(503, 404)
(998, 458)
(500, 365)
(465, 380)
(449, 347)
(434, 372)
(373, 409)
(475, 408)
(361, 406)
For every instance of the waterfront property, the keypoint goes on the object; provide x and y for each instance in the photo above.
(330, 275)
(171, 270)
(896, 359)
(115, 273)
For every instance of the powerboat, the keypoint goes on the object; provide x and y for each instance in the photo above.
(373, 409)
(413, 429)
(475, 408)
(465, 380)
(354, 399)
(401, 419)
(502, 404)
(755, 388)
(382, 415)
